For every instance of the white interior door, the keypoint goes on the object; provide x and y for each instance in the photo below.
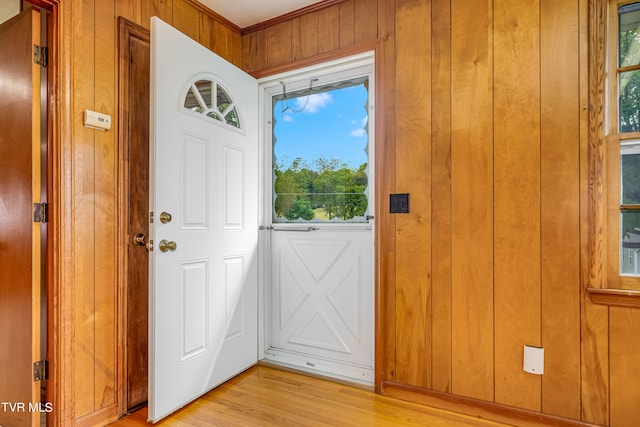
(203, 264)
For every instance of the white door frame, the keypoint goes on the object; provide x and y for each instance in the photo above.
(338, 65)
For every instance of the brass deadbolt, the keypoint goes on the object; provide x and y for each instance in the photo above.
(165, 217)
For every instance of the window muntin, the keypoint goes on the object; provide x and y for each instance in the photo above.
(320, 161)
(209, 98)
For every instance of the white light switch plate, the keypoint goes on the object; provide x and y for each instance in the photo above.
(534, 360)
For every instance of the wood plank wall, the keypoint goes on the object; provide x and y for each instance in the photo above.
(485, 126)
(92, 164)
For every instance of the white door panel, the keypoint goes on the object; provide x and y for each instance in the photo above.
(321, 315)
(203, 294)
(321, 294)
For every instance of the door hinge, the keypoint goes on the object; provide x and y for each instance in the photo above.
(40, 212)
(41, 55)
(41, 370)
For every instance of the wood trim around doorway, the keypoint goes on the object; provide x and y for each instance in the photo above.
(59, 242)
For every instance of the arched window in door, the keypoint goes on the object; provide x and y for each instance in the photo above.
(209, 98)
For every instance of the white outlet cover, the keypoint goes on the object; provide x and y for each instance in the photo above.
(534, 360)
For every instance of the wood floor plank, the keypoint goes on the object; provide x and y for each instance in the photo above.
(265, 396)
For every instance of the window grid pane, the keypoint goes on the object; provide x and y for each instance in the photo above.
(208, 98)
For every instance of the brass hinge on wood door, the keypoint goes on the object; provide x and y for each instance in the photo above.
(41, 55)
(40, 212)
(41, 370)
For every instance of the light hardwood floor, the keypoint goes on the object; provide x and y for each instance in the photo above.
(264, 396)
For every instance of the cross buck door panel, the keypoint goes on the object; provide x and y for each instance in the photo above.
(322, 304)
(203, 197)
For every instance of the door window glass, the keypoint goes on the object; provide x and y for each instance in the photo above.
(209, 98)
(320, 153)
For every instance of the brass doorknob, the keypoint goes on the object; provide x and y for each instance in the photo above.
(166, 245)
(165, 217)
(140, 239)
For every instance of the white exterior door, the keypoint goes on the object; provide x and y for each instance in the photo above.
(203, 264)
(320, 286)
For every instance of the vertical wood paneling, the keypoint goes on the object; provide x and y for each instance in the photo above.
(205, 36)
(595, 363)
(163, 9)
(105, 163)
(347, 23)
(441, 196)
(235, 54)
(560, 207)
(296, 35)
(517, 198)
(249, 52)
(472, 364)
(279, 44)
(625, 369)
(261, 49)
(222, 42)
(306, 38)
(131, 10)
(413, 240)
(329, 29)
(83, 206)
(386, 184)
(595, 318)
(186, 19)
(366, 14)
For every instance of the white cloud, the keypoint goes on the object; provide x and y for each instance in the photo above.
(361, 132)
(287, 118)
(314, 102)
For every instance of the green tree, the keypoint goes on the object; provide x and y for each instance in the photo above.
(300, 208)
(329, 185)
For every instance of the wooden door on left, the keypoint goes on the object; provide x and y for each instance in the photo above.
(134, 133)
(20, 236)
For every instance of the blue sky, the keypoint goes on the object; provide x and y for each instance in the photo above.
(331, 125)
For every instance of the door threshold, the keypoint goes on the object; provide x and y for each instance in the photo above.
(318, 368)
